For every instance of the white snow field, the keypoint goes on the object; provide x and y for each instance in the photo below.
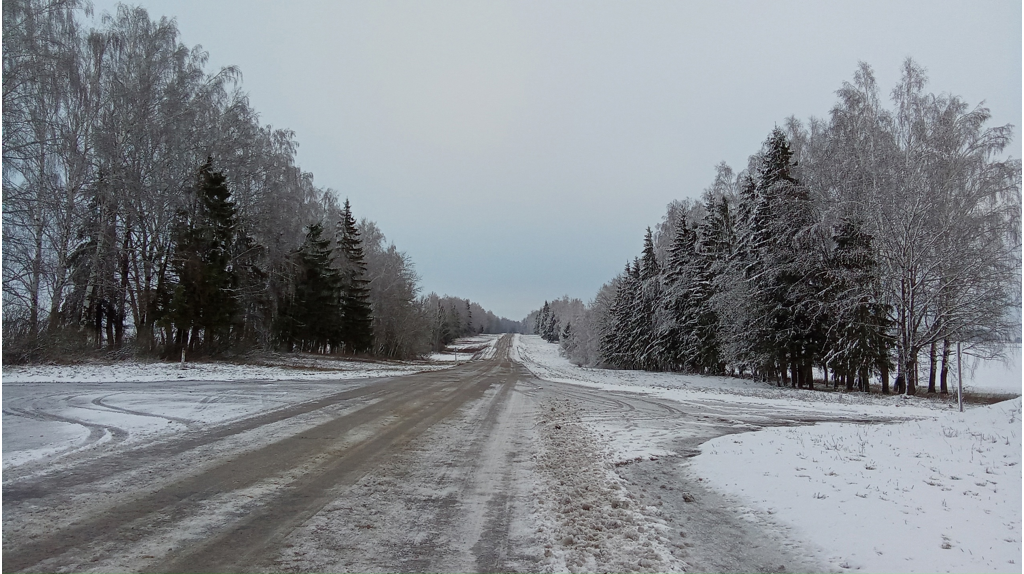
(50, 411)
(935, 495)
(935, 490)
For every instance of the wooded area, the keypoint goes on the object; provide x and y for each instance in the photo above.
(147, 210)
(866, 245)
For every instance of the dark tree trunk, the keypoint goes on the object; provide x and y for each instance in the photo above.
(944, 373)
(883, 373)
(931, 368)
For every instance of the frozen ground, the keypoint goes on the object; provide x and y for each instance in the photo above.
(938, 492)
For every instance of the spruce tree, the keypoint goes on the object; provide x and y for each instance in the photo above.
(649, 349)
(614, 337)
(203, 234)
(356, 313)
(780, 268)
(315, 310)
(635, 318)
(680, 278)
(859, 342)
(714, 246)
(543, 321)
(551, 330)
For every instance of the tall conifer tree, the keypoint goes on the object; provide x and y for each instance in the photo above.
(356, 314)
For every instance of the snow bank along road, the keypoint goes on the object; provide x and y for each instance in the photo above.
(480, 467)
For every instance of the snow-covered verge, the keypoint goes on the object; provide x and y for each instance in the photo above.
(545, 362)
(300, 369)
(941, 495)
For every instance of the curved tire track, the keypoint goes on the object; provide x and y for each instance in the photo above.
(99, 401)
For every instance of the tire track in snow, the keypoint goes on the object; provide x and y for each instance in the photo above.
(96, 431)
(101, 402)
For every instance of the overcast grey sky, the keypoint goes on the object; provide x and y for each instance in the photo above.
(516, 151)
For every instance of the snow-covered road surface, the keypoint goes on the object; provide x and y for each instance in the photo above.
(515, 461)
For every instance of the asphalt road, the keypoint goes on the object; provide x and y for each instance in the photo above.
(439, 471)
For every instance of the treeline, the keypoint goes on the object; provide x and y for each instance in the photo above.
(146, 209)
(862, 246)
(452, 318)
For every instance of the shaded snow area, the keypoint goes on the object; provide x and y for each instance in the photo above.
(939, 495)
(898, 484)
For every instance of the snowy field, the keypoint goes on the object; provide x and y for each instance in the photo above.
(51, 411)
(936, 495)
(935, 491)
